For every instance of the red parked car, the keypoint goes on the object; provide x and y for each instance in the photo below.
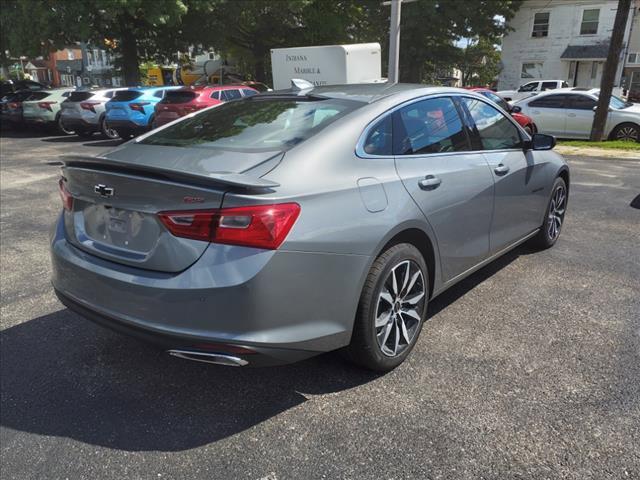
(178, 103)
(524, 120)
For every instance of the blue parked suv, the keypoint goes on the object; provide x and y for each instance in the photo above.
(130, 112)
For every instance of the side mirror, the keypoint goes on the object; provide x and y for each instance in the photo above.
(515, 109)
(608, 109)
(540, 141)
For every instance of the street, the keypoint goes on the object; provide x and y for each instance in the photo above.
(530, 368)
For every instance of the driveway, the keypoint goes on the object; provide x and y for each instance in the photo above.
(528, 369)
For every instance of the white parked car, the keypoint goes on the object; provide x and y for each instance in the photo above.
(43, 108)
(532, 88)
(569, 112)
(84, 112)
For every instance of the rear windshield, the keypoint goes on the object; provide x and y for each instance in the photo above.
(38, 96)
(255, 124)
(79, 96)
(178, 96)
(126, 95)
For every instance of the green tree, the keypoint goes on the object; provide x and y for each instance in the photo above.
(135, 29)
(478, 62)
(430, 29)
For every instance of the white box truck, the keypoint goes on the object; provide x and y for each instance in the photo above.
(327, 65)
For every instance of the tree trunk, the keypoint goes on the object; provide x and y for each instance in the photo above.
(609, 72)
(130, 64)
(4, 65)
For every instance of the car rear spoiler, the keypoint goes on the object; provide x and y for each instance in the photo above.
(231, 179)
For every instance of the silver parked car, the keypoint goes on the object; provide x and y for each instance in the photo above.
(568, 113)
(84, 111)
(279, 226)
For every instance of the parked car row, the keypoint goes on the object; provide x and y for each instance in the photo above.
(569, 112)
(115, 112)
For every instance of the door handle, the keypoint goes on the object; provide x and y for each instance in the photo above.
(571, 114)
(501, 169)
(429, 183)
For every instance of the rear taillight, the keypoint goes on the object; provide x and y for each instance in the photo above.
(13, 105)
(89, 106)
(260, 226)
(65, 196)
(46, 105)
(139, 106)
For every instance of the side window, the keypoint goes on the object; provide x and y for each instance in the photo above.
(159, 94)
(495, 130)
(496, 99)
(549, 86)
(216, 95)
(248, 93)
(108, 94)
(429, 126)
(379, 139)
(581, 102)
(66, 94)
(549, 101)
(230, 94)
(529, 87)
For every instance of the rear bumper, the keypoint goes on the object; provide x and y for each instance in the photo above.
(79, 123)
(126, 125)
(286, 306)
(164, 118)
(33, 120)
(259, 356)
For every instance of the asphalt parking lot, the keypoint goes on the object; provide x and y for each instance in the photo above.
(528, 369)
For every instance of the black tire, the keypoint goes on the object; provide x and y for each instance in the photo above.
(365, 348)
(61, 128)
(548, 235)
(109, 133)
(124, 133)
(152, 122)
(626, 131)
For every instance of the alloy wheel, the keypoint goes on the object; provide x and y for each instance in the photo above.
(556, 212)
(400, 308)
(63, 129)
(629, 134)
(108, 132)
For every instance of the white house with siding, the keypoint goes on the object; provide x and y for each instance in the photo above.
(566, 40)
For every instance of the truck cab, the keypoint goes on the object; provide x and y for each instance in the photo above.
(532, 88)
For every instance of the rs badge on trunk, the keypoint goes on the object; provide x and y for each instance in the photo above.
(103, 190)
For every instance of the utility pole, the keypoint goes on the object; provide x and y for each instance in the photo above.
(394, 39)
(610, 68)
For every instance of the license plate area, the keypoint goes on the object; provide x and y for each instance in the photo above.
(127, 230)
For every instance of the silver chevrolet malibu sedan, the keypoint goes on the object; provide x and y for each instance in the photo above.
(291, 223)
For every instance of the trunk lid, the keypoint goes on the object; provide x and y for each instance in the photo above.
(117, 198)
(177, 103)
(72, 104)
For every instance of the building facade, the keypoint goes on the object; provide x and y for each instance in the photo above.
(566, 40)
(99, 69)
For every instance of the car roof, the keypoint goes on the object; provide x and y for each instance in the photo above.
(366, 92)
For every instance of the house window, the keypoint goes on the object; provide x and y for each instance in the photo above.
(589, 25)
(540, 24)
(634, 58)
(531, 70)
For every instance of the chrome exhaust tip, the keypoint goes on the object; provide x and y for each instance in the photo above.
(216, 358)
